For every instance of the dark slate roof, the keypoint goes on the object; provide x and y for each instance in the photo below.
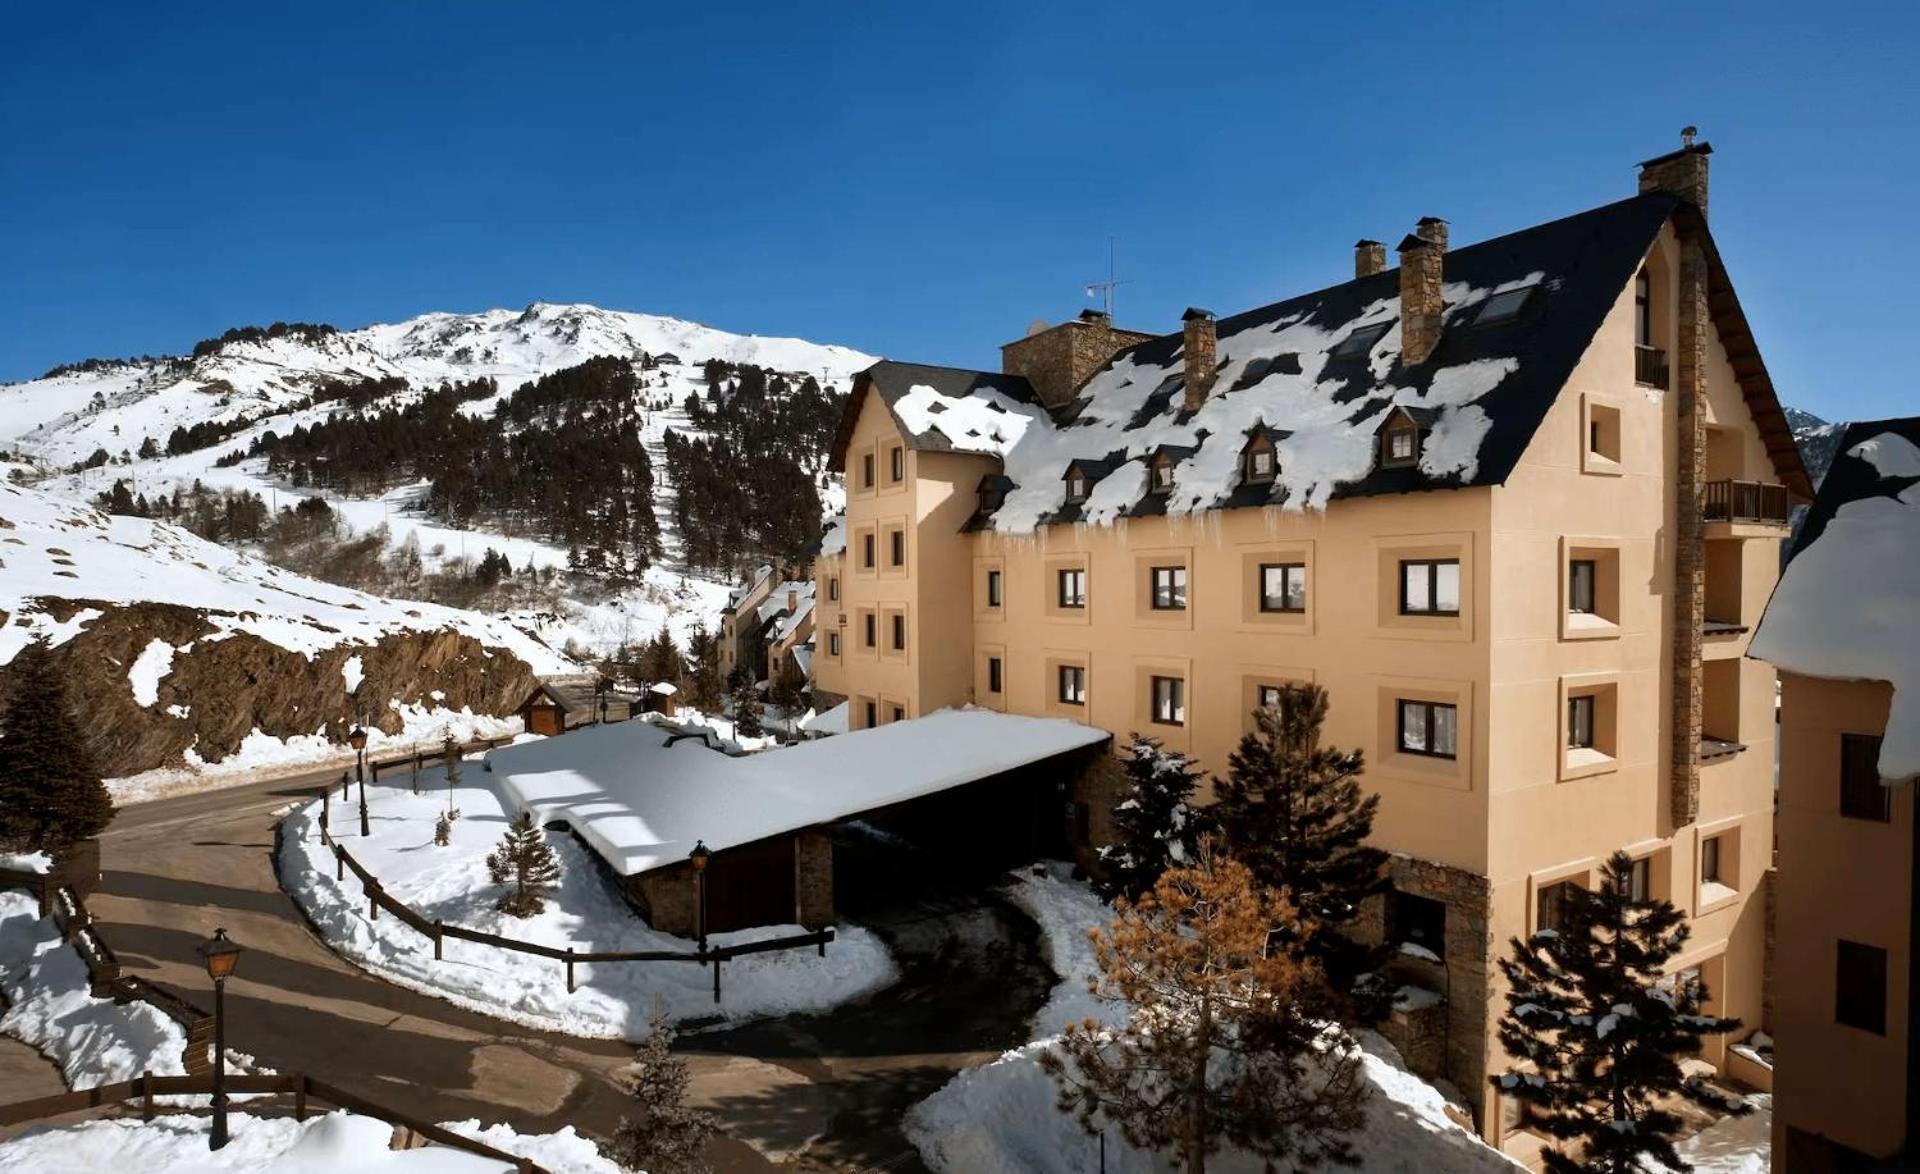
(1850, 479)
(890, 380)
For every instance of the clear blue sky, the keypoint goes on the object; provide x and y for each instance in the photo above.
(917, 180)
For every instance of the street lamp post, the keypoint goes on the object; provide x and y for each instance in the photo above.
(220, 953)
(358, 740)
(699, 856)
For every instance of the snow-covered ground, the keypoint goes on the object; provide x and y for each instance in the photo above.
(94, 1041)
(613, 1000)
(1001, 1118)
(328, 1144)
(1734, 1145)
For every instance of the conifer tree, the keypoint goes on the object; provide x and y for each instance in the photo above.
(663, 1135)
(1293, 812)
(450, 763)
(662, 660)
(1154, 827)
(526, 865)
(1599, 1028)
(747, 720)
(1221, 1041)
(51, 796)
(704, 686)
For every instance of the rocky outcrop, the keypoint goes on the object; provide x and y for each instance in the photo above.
(222, 684)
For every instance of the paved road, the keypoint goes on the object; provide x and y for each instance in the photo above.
(813, 1092)
(174, 869)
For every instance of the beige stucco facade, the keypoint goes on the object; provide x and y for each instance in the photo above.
(1842, 878)
(1513, 810)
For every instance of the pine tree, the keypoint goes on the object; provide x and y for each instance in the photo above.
(663, 1136)
(51, 796)
(747, 721)
(788, 691)
(523, 861)
(1221, 1041)
(1154, 827)
(1293, 812)
(1599, 1028)
(450, 764)
(704, 687)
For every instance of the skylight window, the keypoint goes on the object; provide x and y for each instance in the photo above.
(1502, 307)
(1359, 342)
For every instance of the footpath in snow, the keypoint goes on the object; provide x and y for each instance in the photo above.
(1001, 1118)
(611, 1000)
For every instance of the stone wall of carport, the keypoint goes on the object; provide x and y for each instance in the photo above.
(669, 897)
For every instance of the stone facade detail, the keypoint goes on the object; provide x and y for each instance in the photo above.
(1464, 980)
(1059, 360)
(668, 898)
(1096, 791)
(813, 878)
(1422, 262)
(1200, 340)
(1684, 172)
(1369, 258)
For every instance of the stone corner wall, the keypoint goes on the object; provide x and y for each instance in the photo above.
(813, 879)
(1100, 786)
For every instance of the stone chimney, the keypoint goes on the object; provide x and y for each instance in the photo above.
(1058, 360)
(1202, 368)
(1682, 172)
(1422, 265)
(1369, 258)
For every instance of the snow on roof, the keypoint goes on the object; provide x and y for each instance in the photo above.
(833, 540)
(642, 804)
(663, 688)
(1845, 606)
(831, 721)
(54, 548)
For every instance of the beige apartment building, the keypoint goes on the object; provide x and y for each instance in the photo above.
(1840, 630)
(1514, 505)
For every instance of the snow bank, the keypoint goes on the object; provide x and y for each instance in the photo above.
(1864, 556)
(94, 1041)
(1002, 1118)
(643, 804)
(280, 1145)
(613, 1000)
(1734, 1145)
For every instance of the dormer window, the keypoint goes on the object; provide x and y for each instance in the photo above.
(1076, 486)
(1400, 443)
(1160, 474)
(1257, 463)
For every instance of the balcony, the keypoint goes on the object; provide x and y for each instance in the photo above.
(1649, 366)
(1746, 501)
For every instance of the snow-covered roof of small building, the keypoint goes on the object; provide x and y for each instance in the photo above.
(642, 804)
(785, 624)
(1847, 604)
(741, 594)
(1322, 371)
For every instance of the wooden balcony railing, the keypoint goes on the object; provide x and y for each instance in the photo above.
(1649, 366)
(1746, 501)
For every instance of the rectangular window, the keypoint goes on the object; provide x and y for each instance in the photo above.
(1076, 487)
(1073, 684)
(1420, 922)
(1359, 342)
(866, 470)
(1259, 464)
(897, 548)
(1593, 436)
(1582, 573)
(897, 463)
(1580, 722)
(873, 715)
(1860, 987)
(1169, 588)
(899, 714)
(1267, 696)
(1640, 879)
(871, 625)
(899, 633)
(1073, 588)
(1428, 728)
(1710, 860)
(1161, 479)
(993, 674)
(993, 588)
(1430, 587)
(1400, 446)
(1861, 794)
(1643, 309)
(833, 589)
(866, 551)
(1170, 701)
(1283, 587)
(833, 644)
(1549, 906)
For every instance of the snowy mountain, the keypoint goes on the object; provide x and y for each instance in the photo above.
(1818, 441)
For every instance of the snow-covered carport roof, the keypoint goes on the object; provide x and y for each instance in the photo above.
(643, 803)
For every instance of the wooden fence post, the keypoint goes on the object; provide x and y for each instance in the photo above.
(146, 1095)
(299, 1096)
(438, 929)
(373, 901)
(569, 969)
(339, 863)
(716, 980)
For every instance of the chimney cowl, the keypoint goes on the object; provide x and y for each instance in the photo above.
(1196, 312)
(1095, 316)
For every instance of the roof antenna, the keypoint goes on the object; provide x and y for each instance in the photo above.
(1687, 135)
(1104, 289)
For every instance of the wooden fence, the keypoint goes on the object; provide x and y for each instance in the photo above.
(69, 911)
(301, 1087)
(438, 931)
(420, 759)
